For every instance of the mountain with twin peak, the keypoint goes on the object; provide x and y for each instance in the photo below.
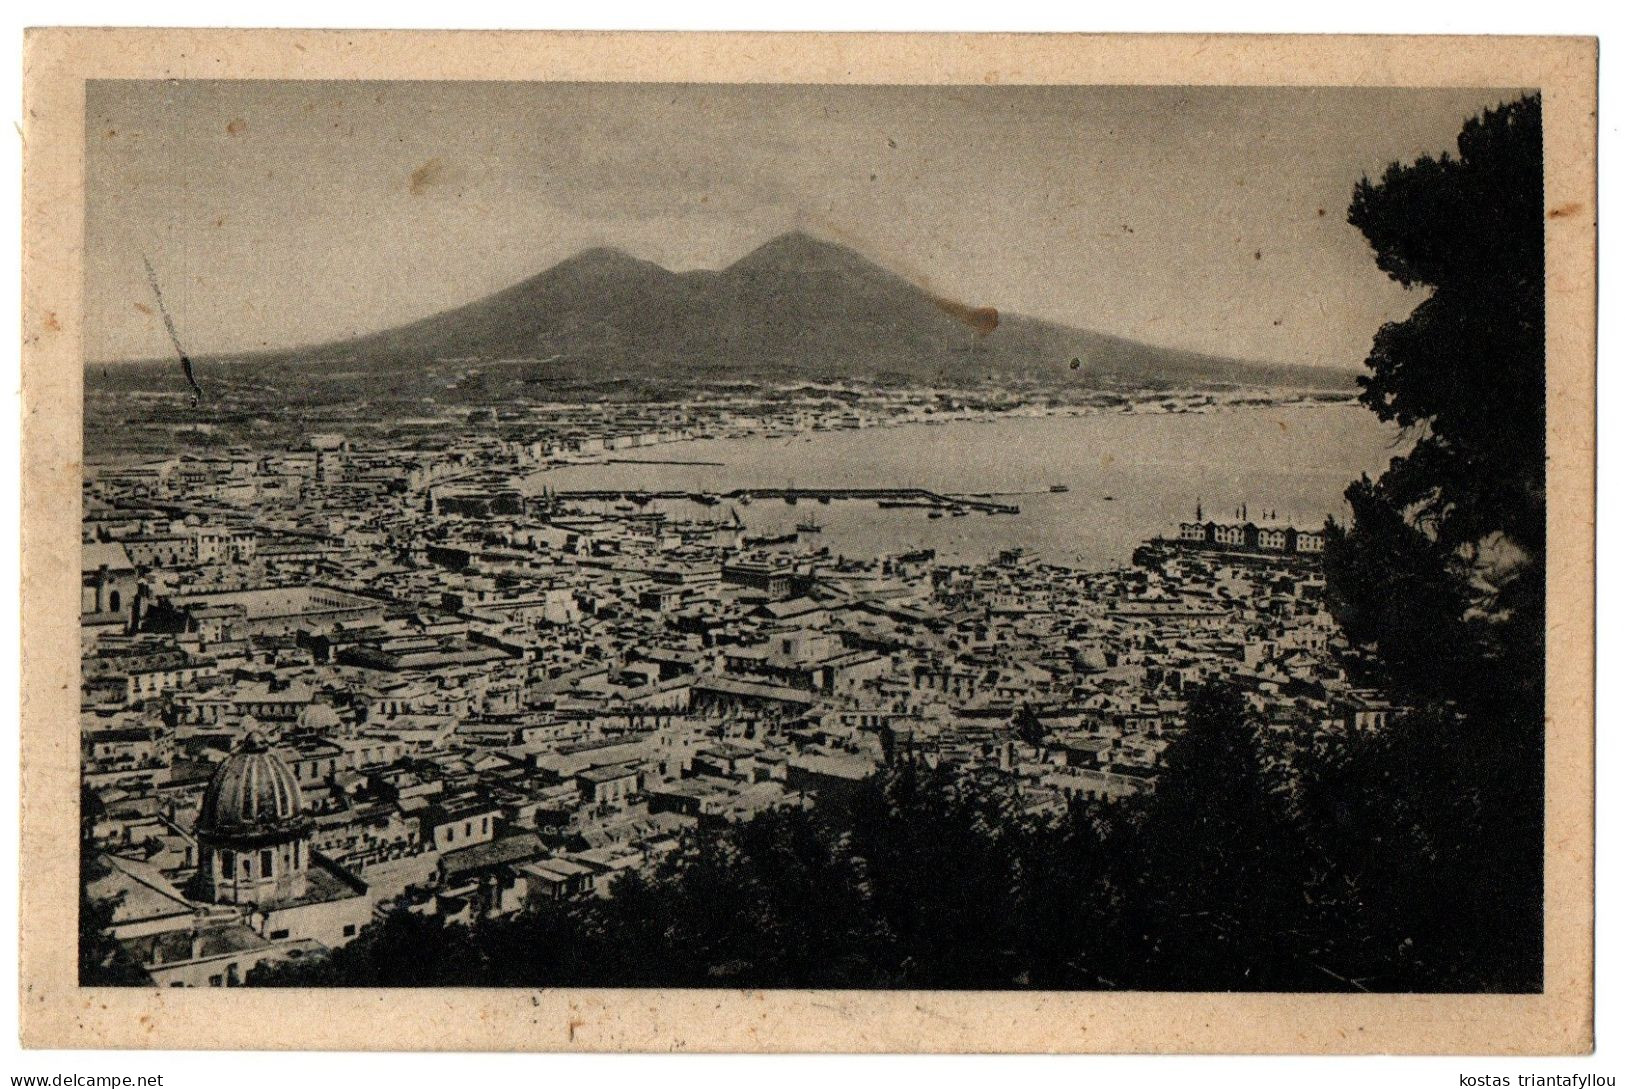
(796, 307)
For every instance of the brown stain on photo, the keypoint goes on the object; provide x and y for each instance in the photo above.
(1562, 211)
(982, 319)
(236, 126)
(425, 176)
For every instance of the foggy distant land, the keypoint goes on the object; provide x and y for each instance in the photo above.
(796, 308)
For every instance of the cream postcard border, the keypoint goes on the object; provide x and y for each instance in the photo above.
(55, 1012)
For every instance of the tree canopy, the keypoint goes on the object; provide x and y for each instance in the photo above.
(1442, 568)
(1443, 564)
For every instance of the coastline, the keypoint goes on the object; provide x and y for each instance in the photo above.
(1188, 402)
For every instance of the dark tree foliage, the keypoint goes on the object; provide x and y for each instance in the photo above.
(1394, 587)
(1442, 572)
(1446, 552)
(405, 950)
(1469, 363)
(1217, 898)
(1431, 852)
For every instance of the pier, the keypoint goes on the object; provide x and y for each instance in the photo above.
(661, 461)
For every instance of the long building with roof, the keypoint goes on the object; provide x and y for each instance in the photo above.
(1242, 533)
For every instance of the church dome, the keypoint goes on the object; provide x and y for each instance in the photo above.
(252, 792)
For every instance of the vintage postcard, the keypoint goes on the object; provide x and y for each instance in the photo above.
(808, 542)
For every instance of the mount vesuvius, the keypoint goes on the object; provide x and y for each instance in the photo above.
(798, 307)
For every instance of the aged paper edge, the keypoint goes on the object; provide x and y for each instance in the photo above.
(55, 1012)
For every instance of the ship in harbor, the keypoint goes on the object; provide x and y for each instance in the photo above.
(770, 540)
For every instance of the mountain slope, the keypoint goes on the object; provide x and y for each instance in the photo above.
(797, 307)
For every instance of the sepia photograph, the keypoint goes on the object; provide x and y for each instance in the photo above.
(574, 535)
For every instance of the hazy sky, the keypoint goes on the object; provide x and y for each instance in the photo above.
(296, 212)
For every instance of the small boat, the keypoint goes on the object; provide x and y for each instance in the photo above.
(934, 514)
(958, 512)
(1059, 488)
(1109, 498)
(809, 526)
(705, 500)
